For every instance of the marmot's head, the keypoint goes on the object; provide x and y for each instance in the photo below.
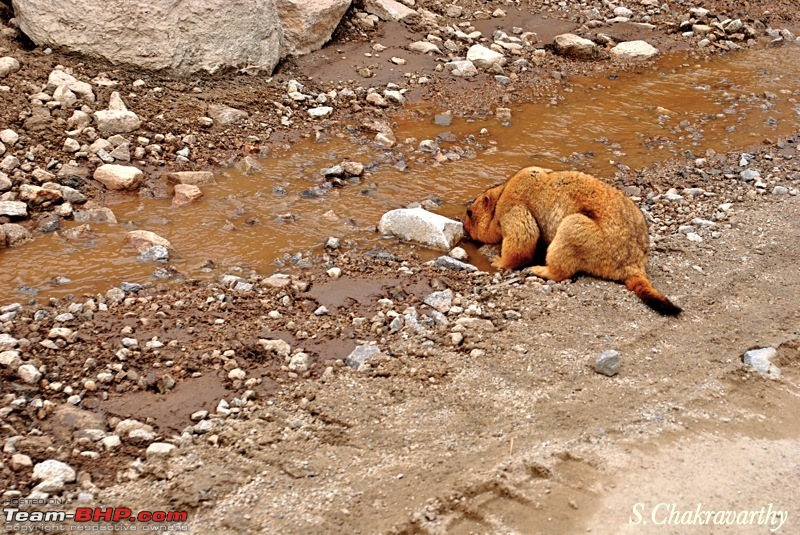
(480, 224)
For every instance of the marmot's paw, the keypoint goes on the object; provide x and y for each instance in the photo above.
(500, 262)
(543, 272)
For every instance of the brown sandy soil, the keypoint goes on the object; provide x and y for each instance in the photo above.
(493, 423)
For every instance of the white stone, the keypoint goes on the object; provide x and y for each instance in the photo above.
(9, 137)
(58, 78)
(308, 25)
(7, 342)
(13, 208)
(321, 111)
(117, 121)
(159, 450)
(52, 469)
(633, 51)
(571, 45)
(420, 226)
(194, 35)
(462, 68)
(8, 65)
(484, 58)
(29, 374)
(142, 240)
(390, 10)
(279, 347)
(424, 47)
(118, 177)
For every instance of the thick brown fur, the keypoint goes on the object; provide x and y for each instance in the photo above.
(588, 226)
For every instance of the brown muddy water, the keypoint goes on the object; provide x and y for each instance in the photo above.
(677, 107)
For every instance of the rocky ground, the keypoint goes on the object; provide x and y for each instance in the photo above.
(384, 394)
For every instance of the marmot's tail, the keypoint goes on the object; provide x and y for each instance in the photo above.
(639, 285)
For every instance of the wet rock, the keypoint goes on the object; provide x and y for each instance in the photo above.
(761, 360)
(485, 58)
(391, 10)
(186, 194)
(95, 215)
(308, 25)
(574, 46)
(249, 165)
(195, 178)
(199, 36)
(142, 240)
(15, 235)
(633, 51)
(420, 226)
(8, 65)
(361, 354)
(458, 253)
(54, 470)
(461, 68)
(156, 253)
(48, 224)
(115, 295)
(119, 177)
(13, 209)
(451, 263)
(608, 363)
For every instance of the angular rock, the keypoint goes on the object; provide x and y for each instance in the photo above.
(608, 363)
(13, 208)
(119, 177)
(159, 450)
(279, 347)
(420, 226)
(95, 215)
(142, 240)
(320, 111)
(361, 354)
(248, 165)
(391, 10)
(52, 469)
(116, 121)
(633, 51)
(308, 25)
(441, 301)
(9, 137)
(451, 263)
(195, 178)
(761, 360)
(574, 46)
(195, 35)
(424, 47)
(186, 194)
(485, 58)
(225, 115)
(15, 235)
(462, 68)
(156, 253)
(60, 78)
(29, 374)
(37, 195)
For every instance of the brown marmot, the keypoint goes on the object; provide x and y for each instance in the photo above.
(587, 225)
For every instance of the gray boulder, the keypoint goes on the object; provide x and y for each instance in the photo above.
(423, 227)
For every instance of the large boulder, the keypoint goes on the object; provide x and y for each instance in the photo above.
(119, 177)
(309, 25)
(574, 46)
(181, 37)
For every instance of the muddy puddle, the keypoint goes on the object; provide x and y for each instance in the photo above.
(678, 107)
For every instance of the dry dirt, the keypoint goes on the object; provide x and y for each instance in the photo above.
(505, 428)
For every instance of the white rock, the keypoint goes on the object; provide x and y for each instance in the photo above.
(7, 342)
(484, 58)
(308, 25)
(9, 137)
(8, 65)
(186, 194)
(52, 469)
(117, 121)
(462, 68)
(142, 240)
(119, 177)
(761, 360)
(321, 111)
(29, 374)
(159, 450)
(574, 46)
(13, 208)
(279, 347)
(633, 51)
(58, 78)
(419, 225)
(183, 38)
(390, 10)
(424, 47)
(299, 362)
